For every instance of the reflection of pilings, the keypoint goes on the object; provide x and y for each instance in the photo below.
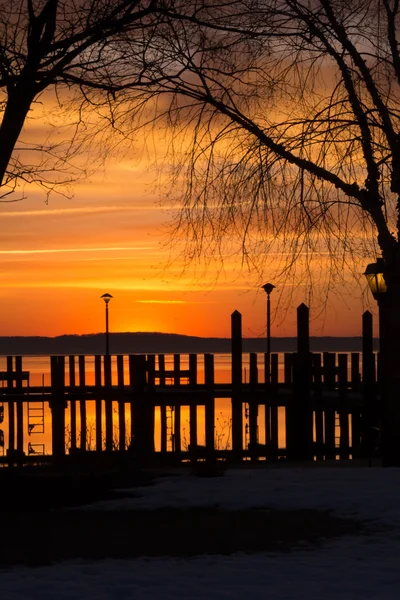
(121, 403)
(98, 402)
(237, 408)
(11, 408)
(253, 406)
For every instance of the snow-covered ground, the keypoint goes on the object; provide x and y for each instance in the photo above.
(365, 566)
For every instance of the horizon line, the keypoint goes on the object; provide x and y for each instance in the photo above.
(111, 333)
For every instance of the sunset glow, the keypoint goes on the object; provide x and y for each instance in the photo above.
(57, 259)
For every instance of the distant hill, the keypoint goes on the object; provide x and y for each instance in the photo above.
(159, 343)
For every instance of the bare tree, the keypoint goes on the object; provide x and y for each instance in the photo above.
(285, 123)
(284, 117)
(64, 46)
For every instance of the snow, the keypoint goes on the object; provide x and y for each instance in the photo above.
(364, 566)
(361, 492)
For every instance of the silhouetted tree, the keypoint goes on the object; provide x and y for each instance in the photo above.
(288, 115)
(59, 45)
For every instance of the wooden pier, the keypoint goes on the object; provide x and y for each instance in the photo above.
(330, 403)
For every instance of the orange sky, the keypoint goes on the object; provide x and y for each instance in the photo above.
(58, 259)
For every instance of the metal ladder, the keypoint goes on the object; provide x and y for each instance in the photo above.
(246, 426)
(170, 429)
(36, 415)
(37, 449)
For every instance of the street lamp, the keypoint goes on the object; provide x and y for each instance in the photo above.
(107, 298)
(268, 287)
(374, 274)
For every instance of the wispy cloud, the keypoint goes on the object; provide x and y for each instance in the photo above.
(164, 302)
(70, 250)
(82, 210)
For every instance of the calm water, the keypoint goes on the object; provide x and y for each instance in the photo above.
(39, 374)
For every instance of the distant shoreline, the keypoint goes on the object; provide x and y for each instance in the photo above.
(164, 343)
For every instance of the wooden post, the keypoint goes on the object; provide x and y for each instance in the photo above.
(301, 388)
(355, 371)
(210, 404)
(193, 403)
(161, 369)
(151, 371)
(20, 410)
(57, 405)
(11, 413)
(72, 385)
(177, 443)
(121, 403)
(344, 443)
(108, 403)
(237, 408)
(98, 403)
(143, 410)
(82, 402)
(273, 393)
(163, 408)
(369, 419)
(330, 385)
(356, 412)
(303, 330)
(193, 370)
(132, 385)
(177, 370)
(318, 412)
(288, 367)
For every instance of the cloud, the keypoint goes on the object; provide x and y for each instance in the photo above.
(55, 212)
(65, 250)
(164, 302)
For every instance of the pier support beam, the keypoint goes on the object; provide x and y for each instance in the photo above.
(57, 406)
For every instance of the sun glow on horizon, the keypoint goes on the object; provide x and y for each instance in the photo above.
(57, 259)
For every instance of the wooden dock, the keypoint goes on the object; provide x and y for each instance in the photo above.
(330, 403)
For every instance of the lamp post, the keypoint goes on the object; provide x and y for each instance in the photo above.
(107, 298)
(374, 274)
(268, 287)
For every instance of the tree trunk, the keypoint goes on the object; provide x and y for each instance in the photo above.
(389, 306)
(18, 104)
